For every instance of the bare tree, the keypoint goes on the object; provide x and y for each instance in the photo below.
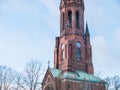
(98, 73)
(19, 84)
(116, 82)
(108, 82)
(32, 75)
(7, 77)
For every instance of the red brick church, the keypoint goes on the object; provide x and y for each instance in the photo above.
(73, 67)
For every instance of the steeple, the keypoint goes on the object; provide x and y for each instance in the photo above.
(89, 65)
(87, 35)
(72, 49)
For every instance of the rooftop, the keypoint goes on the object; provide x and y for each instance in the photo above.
(77, 75)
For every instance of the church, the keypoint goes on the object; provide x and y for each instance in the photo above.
(73, 67)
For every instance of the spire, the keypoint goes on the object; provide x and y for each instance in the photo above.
(87, 35)
(87, 30)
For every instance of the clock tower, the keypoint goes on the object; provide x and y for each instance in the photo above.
(73, 49)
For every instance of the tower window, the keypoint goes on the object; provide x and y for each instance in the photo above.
(69, 19)
(77, 19)
(78, 54)
(63, 20)
(70, 51)
(63, 52)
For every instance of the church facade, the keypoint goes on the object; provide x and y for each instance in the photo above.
(73, 67)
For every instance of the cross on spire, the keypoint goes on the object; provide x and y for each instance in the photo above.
(48, 64)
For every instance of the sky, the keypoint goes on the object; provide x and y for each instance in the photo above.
(28, 29)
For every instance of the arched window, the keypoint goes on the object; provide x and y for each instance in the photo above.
(78, 54)
(63, 17)
(77, 19)
(63, 52)
(50, 87)
(70, 50)
(69, 19)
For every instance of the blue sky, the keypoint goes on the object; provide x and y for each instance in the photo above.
(28, 29)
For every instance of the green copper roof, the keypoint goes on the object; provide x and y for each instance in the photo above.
(55, 72)
(78, 75)
(88, 77)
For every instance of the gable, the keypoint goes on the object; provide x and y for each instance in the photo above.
(48, 77)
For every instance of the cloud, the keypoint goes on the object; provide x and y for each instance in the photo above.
(26, 8)
(102, 15)
(45, 11)
(14, 5)
(117, 35)
(52, 6)
(105, 55)
(53, 9)
(100, 49)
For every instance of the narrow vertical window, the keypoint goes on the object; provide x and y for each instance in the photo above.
(78, 54)
(70, 19)
(77, 19)
(63, 20)
(70, 51)
(63, 52)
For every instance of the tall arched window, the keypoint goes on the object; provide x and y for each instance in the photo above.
(78, 54)
(70, 19)
(77, 19)
(63, 17)
(63, 52)
(70, 50)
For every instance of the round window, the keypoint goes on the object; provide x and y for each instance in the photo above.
(78, 45)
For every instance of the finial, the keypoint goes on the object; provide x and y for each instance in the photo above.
(48, 64)
(86, 25)
(87, 30)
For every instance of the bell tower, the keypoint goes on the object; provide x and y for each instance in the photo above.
(71, 17)
(73, 49)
